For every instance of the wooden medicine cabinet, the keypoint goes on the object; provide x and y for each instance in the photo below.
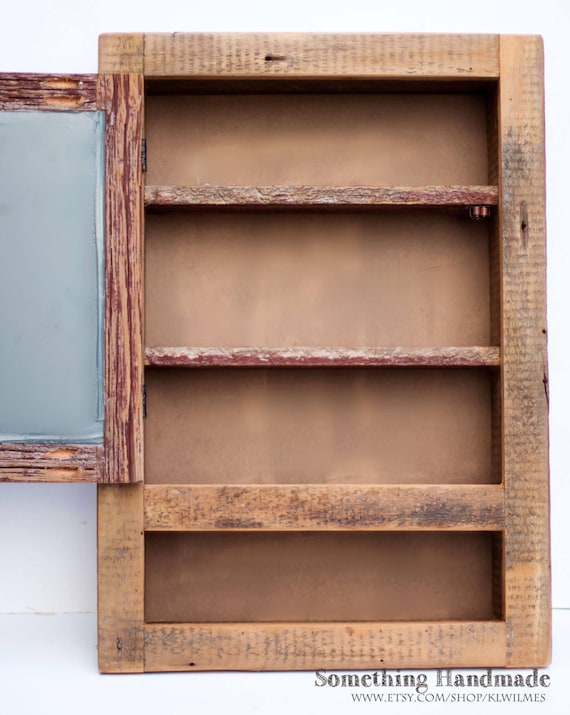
(325, 381)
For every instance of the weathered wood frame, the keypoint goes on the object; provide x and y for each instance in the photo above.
(517, 507)
(47, 462)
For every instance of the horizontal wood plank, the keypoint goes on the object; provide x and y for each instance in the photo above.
(322, 357)
(62, 93)
(322, 196)
(324, 507)
(315, 646)
(395, 56)
(50, 462)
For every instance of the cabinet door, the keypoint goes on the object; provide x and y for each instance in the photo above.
(51, 278)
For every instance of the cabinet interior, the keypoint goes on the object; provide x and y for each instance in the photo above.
(263, 276)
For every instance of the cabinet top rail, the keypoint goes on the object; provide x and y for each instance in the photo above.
(301, 55)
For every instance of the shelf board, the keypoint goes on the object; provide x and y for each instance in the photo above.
(305, 646)
(408, 197)
(324, 507)
(322, 357)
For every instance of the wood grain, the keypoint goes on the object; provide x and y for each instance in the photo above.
(322, 357)
(326, 507)
(517, 508)
(121, 97)
(395, 56)
(121, 53)
(322, 196)
(50, 462)
(120, 554)
(275, 646)
(56, 93)
(525, 380)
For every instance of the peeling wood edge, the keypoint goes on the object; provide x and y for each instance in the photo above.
(121, 96)
(323, 196)
(56, 93)
(50, 462)
(328, 507)
(322, 357)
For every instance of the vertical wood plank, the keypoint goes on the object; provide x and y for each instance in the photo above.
(121, 97)
(121, 53)
(525, 418)
(120, 542)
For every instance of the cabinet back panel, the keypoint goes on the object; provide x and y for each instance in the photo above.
(348, 279)
(193, 577)
(369, 139)
(288, 426)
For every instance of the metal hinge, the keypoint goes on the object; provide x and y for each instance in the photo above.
(144, 401)
(143, 155)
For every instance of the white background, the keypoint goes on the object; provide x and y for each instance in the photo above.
(48, 532)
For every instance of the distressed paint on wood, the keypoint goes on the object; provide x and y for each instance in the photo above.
(43, 461)
(395, 56)
(330, 646)
(50, 462)
(322, 196)
(120, 554)
(121, 97)
(56, 93)
(327, 507)
(322, 357)
(524, 372)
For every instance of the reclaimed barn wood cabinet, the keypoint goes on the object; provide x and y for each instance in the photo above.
(325, 418)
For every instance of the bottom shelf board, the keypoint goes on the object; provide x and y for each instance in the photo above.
(331, 646)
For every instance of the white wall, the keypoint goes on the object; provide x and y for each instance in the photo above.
(47, 532)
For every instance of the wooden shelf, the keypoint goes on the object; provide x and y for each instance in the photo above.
(322, 357)
(407, 197)
(251, 646)
(385, 507)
